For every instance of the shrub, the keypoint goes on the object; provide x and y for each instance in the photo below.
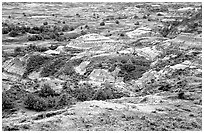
(13, 33)
(52, 35)
(61, 33)
(122, 34)
(69, 70)
(117, 22)
(100, 95)
(102, 23)
(71, 28)
(7, 102)
(35, 37)
(52, 101)
(31, 48)
(36, 28)
(60, 38)
(4, 24)
(164, 31)
(34, 63)
(31, 31)
(18, 51)
(46, 91)
(45, 23)
(84, 93)
(52, 67)
(64, 100)
(44, 28)
(35, 102)
(53, 47)
(5, 30)
(135, 17)
(65, 28)
(86, 26)
(144, 17)
(137, 23)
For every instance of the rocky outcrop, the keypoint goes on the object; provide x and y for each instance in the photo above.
(140, 32)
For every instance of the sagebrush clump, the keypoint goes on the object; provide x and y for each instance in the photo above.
(35, 102)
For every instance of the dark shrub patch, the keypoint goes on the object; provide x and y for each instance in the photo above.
(144, 17)
(60, 38)
(34, 63)
(35, 37)
(36, 28)
(102, 23)
(65, 28)
(86, 26)
(64, 100)
(13, 33)
(32, 48)
(5, 30)
(52, 67)
(83, 92)
(52, 101)
(35, 102)
(53, 47)
(7, 102)
(45, 23)
(117, 22)
(19, 51)
(137, 23)
(46, 91)
(103, 94)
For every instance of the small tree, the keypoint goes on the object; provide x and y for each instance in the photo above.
(117, 22)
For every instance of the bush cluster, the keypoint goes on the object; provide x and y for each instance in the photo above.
(34, 63)
(9, 97)
(44, 31)
(52, 67)
(86, 92)
(7, 102)
(13, 33)
(35, 102)
(46, 99)
(46, 91)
